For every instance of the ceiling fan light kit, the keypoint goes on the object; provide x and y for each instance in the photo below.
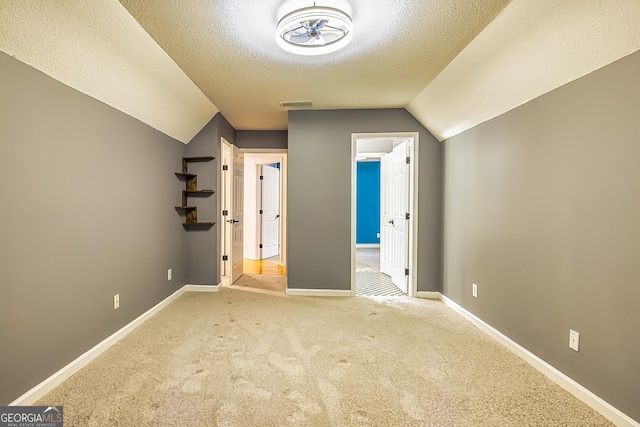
(314, 30)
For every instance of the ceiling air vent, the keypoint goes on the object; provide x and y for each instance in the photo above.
(297, 104)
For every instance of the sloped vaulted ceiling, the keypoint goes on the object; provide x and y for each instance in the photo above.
(96, 47)
(228, 48)
(452, 63)
(531, 48)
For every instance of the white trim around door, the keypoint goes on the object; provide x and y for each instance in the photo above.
(413, 203)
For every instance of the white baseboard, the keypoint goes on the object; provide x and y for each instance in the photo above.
(606, 409)
(609, 411)
(367, 245)
(319, 292)
(202, 288)
(428, 295)
(81, 361)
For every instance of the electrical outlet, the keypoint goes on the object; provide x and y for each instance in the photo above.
(169, 274)
(116, 301)
(574, 340)
(474, 290)
(378, 235)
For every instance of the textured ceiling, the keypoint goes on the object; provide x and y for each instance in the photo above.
(452, 63)
(531, 48)
(96, 47)
(228, 48)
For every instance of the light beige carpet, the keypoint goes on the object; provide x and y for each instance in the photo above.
(237, 358)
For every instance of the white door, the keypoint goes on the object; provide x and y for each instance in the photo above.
(386, 229)
(237, 213)
(225, 200)
(270, 211)
(394, 206)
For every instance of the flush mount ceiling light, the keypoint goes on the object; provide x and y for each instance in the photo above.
(314, 30)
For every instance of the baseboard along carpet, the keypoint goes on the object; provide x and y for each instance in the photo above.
(237, 358)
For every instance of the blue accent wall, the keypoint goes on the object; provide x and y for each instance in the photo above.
(368, 202)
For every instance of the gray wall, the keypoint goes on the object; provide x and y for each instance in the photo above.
(88, 196)
(267, 139)
(319, 195)
(542, 211)
(203, 243)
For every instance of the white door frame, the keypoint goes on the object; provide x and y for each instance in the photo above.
(279, 156)
(413, 203)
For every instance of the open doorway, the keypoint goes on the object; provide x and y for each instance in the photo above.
(384, 203)
(262, 204)
(264, 208)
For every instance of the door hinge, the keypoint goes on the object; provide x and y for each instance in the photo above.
(260, 246)
(261, 212)
(225, 167)
(261, 177)
(225, 257)
(406, 271)
(407, 216)
(225, 212)
(408, 160)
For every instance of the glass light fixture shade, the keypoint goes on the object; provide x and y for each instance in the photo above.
(314, 30)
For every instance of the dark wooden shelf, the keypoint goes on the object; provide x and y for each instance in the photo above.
(191, 189)
(198, 158)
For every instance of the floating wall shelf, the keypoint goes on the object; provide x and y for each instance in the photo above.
(191, 189)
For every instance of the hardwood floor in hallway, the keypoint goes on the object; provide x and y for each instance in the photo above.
(270, 266)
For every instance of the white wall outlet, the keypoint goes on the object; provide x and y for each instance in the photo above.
(116, 301)
(169, 274)
(574, 340)
(378, 235)
(474, 290)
